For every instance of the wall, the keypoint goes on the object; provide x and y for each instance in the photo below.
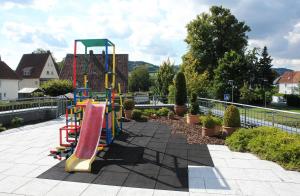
(9, 89)
(29, 115)
(288, 88)
(30, 83)
(49, 71)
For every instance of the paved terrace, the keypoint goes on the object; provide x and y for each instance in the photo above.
(146, 160)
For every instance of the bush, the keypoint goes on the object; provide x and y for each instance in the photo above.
(149, 112)
(194, 109)
(268, 143)
(128, 104)
(218, 121)
(292, 100)
(171, 94)
(163, 112)
(171, 114)
(137, 115)
(17, 122)
(208, 122)
(232, 117)
(57, 87)
(180, 89)
(2, 128)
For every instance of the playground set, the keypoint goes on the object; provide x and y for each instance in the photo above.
(90, 124)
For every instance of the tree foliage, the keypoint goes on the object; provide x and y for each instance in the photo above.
(165, 77)
(57, 87)
(213, 34)
(180, 89)
(139, 79)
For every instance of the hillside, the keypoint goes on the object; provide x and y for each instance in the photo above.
(151, 68)
(281, 71)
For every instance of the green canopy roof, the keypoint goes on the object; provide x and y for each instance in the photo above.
(95, 42)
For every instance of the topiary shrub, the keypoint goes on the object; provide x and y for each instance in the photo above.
(194, 109)
(232, 117)
(163, 112)
(137, 115)
(208, 122)
(128, 104)
(17, 122)
(180, 89)
(149, 112)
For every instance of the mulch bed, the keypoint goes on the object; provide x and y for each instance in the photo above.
(192, 132)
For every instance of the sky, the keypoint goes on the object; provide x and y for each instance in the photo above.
(151, 31)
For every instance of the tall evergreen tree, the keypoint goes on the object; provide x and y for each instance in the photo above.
(264, 71)
(165, 77)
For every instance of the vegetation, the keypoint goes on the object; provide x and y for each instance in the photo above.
(162, 112)
(128, 104)
(208, 121)
(194, 108)
(232, 117)
(171, 114)
(17, 122)
(138, 115)
(139, 79)
(2, 128)
(268, 143)
(171, 95)
(292, 100)
(57, 87)
(217, 53)
(165, 77)
(180, 89)
(149, 112)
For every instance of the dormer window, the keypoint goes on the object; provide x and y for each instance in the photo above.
(27, 71)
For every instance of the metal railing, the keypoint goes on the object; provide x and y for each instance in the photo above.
(252, 116)
(36, 103)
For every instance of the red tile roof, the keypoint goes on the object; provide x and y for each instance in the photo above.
(290, 77)
(6, 72)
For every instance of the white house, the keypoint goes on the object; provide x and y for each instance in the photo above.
(36, 68)
(9, 82)
(289, 82)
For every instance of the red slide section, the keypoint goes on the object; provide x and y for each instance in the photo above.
(90, 131)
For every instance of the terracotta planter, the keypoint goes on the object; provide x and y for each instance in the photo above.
(208, 131)
(192, 119)
(218, 129)
(128, 114)
(180, 110)
(229, 130)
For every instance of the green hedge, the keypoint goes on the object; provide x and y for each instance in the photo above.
(268, 143)
(292, 100)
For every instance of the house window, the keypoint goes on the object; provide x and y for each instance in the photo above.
(47, 72)
(0, 96)
(26, 72)
(52, 73)
(4, 94)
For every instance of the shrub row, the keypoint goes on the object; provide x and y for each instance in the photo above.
(268, 143)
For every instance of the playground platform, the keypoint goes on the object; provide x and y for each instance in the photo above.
(147, 159)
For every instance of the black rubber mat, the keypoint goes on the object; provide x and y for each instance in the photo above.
(145, 155)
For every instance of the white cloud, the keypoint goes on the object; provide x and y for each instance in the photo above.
(35, 4)
(287, 63)
(293, 36)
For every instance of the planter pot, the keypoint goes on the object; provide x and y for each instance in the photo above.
(229, 130)
(128, 114)
(218, 129)
(192, 119)
(208, 131)
(180, 110)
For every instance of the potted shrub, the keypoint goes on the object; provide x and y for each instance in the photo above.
(192, 116)
(208, 125)
(128, 107)
(180, 94)
(231, 120)
(218, 125)
(137, 115)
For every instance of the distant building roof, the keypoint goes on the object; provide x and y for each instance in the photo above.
(27, 90)
(290, 77)
(6, 72)
(33, 64)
